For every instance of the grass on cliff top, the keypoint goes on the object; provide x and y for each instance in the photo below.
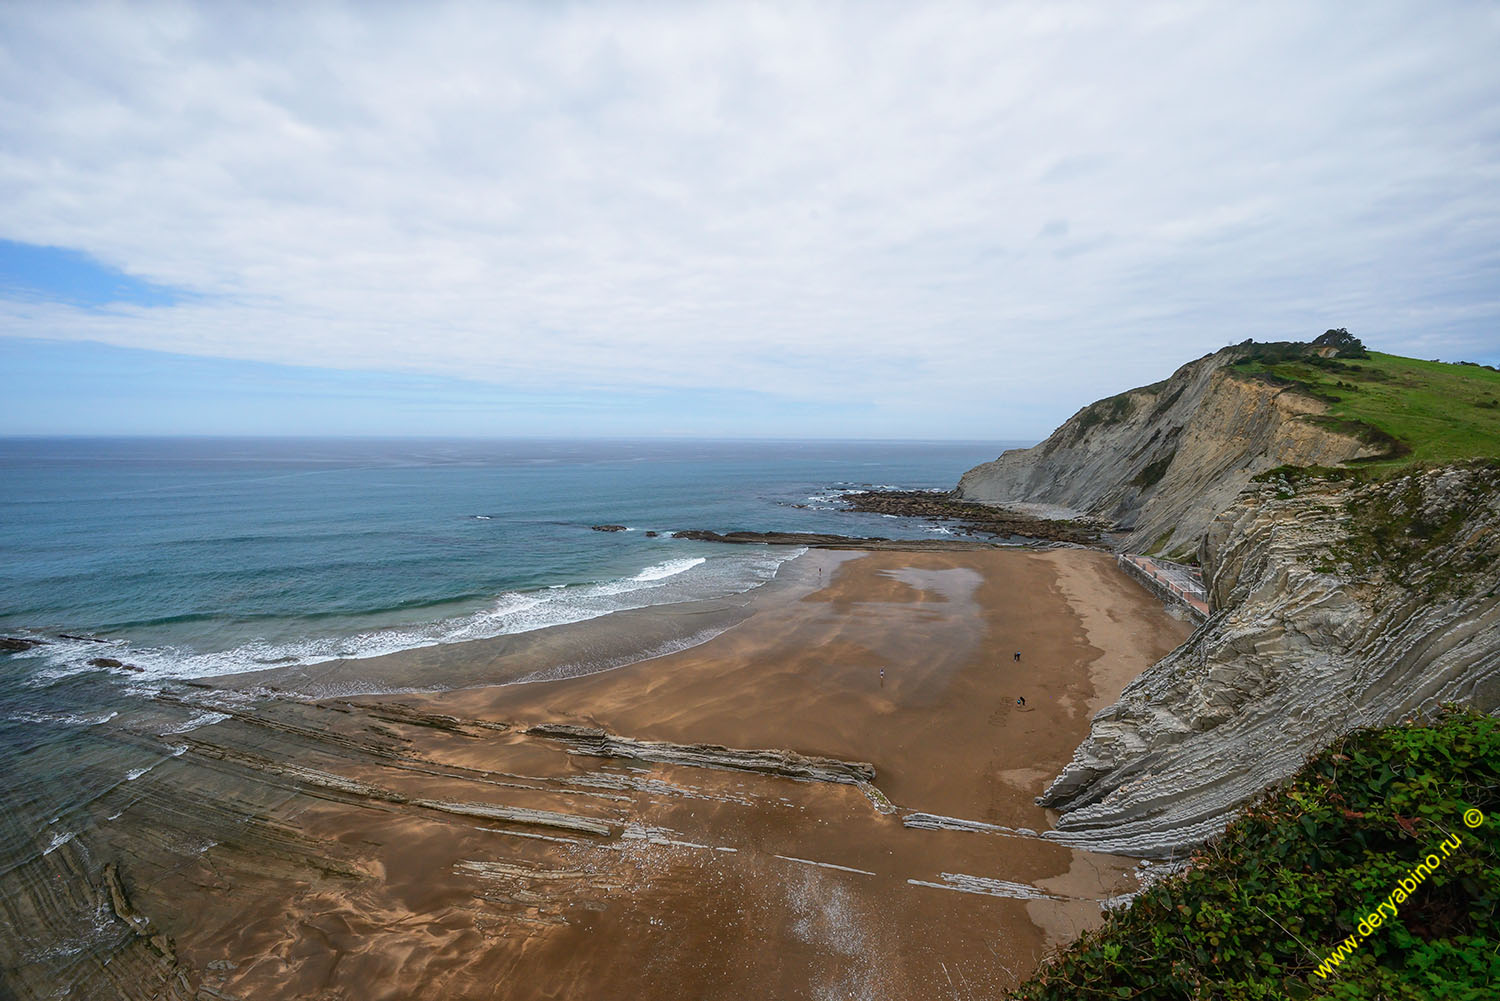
(1426, 412)
(1262, 906)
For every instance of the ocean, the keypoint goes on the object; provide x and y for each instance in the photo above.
(194, 557)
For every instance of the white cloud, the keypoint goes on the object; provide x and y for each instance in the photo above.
(979, 216)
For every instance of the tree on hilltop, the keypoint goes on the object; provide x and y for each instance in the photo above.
(1345, 343)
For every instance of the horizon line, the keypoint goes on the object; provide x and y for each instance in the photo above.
(45, 436)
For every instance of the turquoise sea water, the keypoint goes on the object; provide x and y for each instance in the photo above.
(194, 557)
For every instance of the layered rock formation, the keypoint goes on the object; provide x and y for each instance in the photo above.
(592, 740)
(1334, 605)
(1335, 602)
(1160, 461)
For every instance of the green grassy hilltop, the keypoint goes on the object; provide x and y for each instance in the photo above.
(1261, 909)
(1423, 412)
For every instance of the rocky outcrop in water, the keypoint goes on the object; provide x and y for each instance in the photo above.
(119, 903)
(1160, 461)
(821, 540)
(968, 517)
(1335, 605)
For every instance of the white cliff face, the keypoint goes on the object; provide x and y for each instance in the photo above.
(1162, 460)
(1334, 606)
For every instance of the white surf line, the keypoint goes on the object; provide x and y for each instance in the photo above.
(826, 865)
(989, 887)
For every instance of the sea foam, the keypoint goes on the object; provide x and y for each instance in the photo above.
(666, 582)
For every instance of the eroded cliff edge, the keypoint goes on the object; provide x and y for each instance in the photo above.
(1335, 604)
(1161, 460)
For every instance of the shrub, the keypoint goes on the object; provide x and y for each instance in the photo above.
(1259, 909)
(1347, 344)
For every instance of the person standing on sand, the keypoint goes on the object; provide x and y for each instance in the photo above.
(1021, 702)
(1018, 656)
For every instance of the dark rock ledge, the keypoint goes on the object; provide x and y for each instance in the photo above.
(972, 518)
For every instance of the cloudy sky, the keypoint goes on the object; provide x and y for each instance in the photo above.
(821, 219)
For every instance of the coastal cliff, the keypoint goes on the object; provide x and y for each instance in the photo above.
(1161, 460)
(1339, 596)
(1335, 605)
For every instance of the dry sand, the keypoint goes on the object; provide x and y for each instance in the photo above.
(713, 883)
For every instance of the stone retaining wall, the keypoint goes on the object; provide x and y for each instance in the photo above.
(1168, 593)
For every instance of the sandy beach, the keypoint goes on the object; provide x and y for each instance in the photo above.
(428, 846)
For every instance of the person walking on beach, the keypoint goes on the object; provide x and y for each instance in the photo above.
(1018, 656)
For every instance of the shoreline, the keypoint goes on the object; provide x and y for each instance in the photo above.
(613, 640)
(716, 831)
(588, 646)
(127, 654)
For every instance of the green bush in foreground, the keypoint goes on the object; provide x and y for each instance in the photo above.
(1262, 907)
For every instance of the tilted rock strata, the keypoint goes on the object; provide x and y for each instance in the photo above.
(315, 782)
(519, 815)
(1160, 461)
(1334, 607)
(139, 923)
(600, 743)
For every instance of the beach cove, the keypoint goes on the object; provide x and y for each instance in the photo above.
(428, 845)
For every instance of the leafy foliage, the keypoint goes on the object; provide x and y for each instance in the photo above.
(1345, 343)
(1261, 907)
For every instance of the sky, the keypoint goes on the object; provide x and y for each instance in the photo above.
(934, 220)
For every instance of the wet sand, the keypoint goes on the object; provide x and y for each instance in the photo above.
(379, 860)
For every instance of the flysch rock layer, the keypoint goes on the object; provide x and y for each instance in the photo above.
(1316, 628)
(1160, 461)
(594, 741)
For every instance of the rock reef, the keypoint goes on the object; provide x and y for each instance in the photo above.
(821, 540)
(969, 517)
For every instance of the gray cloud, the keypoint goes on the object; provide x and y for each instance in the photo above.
(838, 202)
